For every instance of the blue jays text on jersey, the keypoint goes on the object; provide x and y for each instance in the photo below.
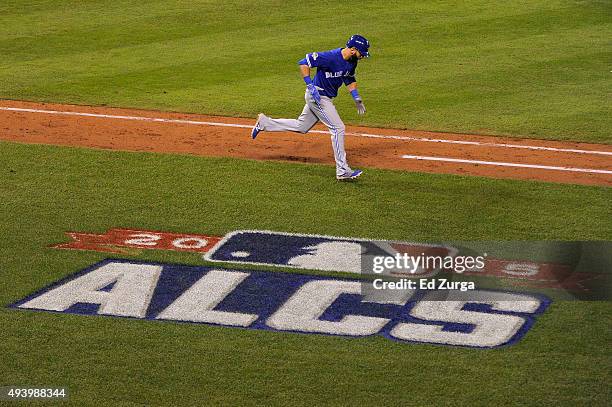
(332, 71)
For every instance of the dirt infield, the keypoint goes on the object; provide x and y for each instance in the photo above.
(417, 151)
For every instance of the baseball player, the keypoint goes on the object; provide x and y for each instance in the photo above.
(334, 68)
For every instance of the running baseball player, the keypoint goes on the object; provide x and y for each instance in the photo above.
(334, 68)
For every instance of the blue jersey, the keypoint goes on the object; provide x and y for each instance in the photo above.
(332, 71)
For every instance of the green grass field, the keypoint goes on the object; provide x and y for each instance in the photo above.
(50, 190)
(537, 69)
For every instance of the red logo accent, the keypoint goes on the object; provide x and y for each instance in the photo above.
(124, 241)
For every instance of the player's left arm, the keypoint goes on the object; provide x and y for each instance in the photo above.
(351, 85)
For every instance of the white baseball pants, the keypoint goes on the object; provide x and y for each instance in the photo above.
(326, 112)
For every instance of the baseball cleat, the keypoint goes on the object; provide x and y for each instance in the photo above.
(257, 128)
(351, 175)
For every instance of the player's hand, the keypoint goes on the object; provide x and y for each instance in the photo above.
(360, 106)
(314, 92)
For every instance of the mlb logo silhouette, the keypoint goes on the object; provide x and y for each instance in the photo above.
(314, 252)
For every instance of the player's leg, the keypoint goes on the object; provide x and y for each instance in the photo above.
(327, 113)
(302, 124)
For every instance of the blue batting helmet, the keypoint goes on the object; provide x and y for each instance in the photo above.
(360, 43)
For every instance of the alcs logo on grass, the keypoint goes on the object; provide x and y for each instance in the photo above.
(287, 302)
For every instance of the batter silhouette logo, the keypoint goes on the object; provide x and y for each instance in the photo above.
(286, 302)
(315, 252)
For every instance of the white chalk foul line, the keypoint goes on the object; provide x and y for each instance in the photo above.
(484, 144)
(244, 126)
(111, 116)
(502, 164)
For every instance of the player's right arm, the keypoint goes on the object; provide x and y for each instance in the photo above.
(305, 65)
